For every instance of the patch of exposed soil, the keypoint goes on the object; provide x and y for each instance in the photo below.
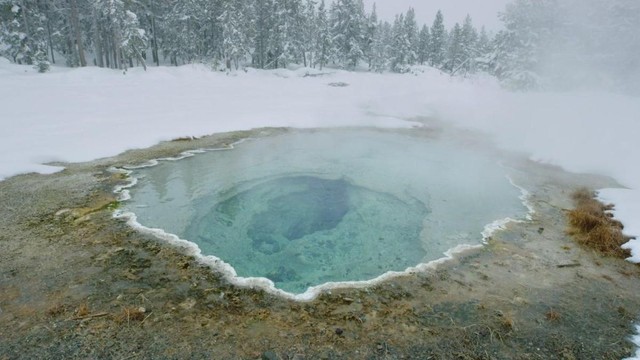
(75, 283)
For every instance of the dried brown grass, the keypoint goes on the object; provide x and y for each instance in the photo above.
(592, 226)
(82, 310)
(131, 314)
(552, 315)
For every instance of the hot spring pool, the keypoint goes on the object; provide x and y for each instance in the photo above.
(307, 208)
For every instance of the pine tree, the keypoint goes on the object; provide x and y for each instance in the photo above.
(347, 18)
(23, 35)
(400, 46)
(380, 58)
(264, 28)
(310, 29)
(483, 48)
(469, 44)
(323, 43)
(529, 24)
(423, 45)
(455, 50)
(234, 34)
(410, 28)
(370, 35)
(438, 41)
(126, 39)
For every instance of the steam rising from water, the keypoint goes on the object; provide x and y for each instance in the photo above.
(332, 206)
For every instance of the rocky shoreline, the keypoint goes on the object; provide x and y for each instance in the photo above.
(76, 283)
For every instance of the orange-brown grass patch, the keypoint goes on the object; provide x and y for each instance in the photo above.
(56, 310)
(130, 314)
(552, 315)
(592, 226)
(82, 310)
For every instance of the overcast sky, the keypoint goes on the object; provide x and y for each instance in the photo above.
(483, 12)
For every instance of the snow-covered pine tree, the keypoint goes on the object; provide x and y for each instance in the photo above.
(310, 29)
(381, 48)
(529, 25)
(126, 39)
(235, 43)
(264, 27)
(347, 19)
(423, 45)
(184, 26)
(437, 49)
(370, 35)
(469, 48)
(483, 47)
(411, 32)
(324, 40)
(296, 31)
(455, 50)
(400, 47)
(23, 38)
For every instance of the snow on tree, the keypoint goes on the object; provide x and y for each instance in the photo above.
(455, 54)
(264, 24)
(324, 40)
(370, 35)
(347, 19)
(483, 48)
(235, 43)
(410, 28)
(381, 48)
(22, 34)
(399, 46)
(126, 39)
(529, 25)
(310, 29)
(424, 40)
(468, 42)
(437, 49)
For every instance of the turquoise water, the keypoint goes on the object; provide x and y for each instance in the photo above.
(306, 209)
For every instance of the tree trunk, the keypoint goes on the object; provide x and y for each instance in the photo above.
(46, 8)
(23, 11)
(96, 40)
(75, 24)
(107, 54)
(154, 39)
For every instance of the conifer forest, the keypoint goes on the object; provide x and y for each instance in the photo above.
(578, 36)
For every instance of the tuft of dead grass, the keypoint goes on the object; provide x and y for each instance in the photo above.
(56, 310)
(552, 315)
(131, 314)
(592, 226)
(82, 310)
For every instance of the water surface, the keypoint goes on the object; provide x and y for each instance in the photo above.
(308, 208)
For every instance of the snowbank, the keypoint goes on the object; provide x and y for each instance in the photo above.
(84, 114)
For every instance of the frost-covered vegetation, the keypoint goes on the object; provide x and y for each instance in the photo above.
(544, 42)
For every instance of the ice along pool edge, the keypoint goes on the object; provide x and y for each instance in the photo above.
(230, 274)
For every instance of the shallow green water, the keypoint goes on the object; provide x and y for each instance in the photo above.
(305, 209)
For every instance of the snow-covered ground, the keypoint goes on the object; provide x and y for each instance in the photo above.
(84, 114)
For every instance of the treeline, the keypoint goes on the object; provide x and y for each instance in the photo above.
(544, 43)
(265, 34)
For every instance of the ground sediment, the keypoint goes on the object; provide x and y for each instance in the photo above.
(76, 283)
